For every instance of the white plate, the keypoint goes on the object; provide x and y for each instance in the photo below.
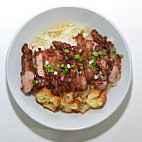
(60, 120)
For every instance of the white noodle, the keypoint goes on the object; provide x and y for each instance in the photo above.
(63, 32)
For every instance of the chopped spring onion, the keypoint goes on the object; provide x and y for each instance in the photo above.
(95, 69)
(62, 65)
(95, 53)
(35, 66)
(100, 53)
(46, 66)
(80, 64)
(35, 82)
(73, 66)
(81, 58)
(81, 67)
(56, 65)
(21, 77)
(106, 67)
(76, 56)
(82, 31)
(58, 42)
(65, 69)
(121, 55)
(69, 80)
(113, 57)
(74, 71)
(67, 51)
(98, 75)
(62, 74)
(89, 65)
(113, 50)
(66, 58)
(51, 69)
(105, 53)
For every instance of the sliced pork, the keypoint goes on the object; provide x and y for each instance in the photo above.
(64, 68)
(27, 74)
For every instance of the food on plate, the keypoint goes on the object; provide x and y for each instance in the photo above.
(69, 66)
(48, 100)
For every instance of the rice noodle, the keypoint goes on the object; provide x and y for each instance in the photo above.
(63, 32)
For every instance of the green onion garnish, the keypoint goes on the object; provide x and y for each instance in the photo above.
(82, 31)
(49, 68)
(62, 73)
(81, 58)
(113, 50)
(76, 56)
(100, 53)
(113, 57)
(74, 71)
(81, 67)
(58, 42)
(98, 76)
(66, 58)
(95, 53)
(62, 65)
(95, 69)
(94, 58)
(21, 77)
(89, 65)
(56, 65)
(121, 55)
(80, 64)
(67, 51)
(69, 80)
(105, 53)
(66, 70)
(106, 67)
(73, 66)
(35, 82)
(35, 66)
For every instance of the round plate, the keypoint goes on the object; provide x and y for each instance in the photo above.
(60, 120)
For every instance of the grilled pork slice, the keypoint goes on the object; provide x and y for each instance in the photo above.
(39, 63)
(114, 75)
(27, 73)
(81, 82)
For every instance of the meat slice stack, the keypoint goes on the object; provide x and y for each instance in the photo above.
(27, 73)
(64, 68)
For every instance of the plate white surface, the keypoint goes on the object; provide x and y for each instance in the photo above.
(59, 120)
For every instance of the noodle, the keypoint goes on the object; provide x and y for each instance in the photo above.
(63, 32)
